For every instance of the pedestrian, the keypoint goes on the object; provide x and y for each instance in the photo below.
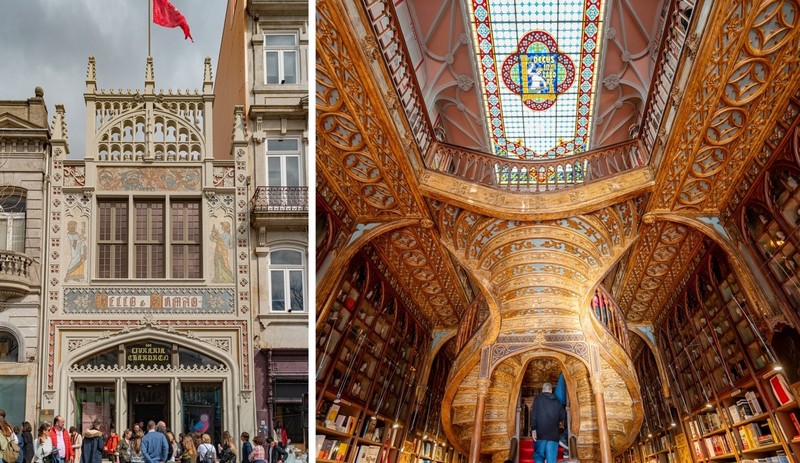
(547, 415)
(92, 447)
(154, 445)
(189, 454)
(27, 439)
(124, 446)
(279, 434)
(7, 436)
(172, 451)
(59, 436)
(274, 451)
(18, 434)
(257, 454)
(135, 450)
(43, 445)
(112, 443)
(206, 452)
(228, 453)
(77, 443)
(247, 447)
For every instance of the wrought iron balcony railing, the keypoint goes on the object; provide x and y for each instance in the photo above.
(280, 199)
(536, 175)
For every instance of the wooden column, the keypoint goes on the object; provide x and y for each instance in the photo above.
(477, 430)
(602, 424)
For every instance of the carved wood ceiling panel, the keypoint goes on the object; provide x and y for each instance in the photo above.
(541, 263)
(746, 71)
(413, 255)
(357, 150)
(660, 259)
(365, 176)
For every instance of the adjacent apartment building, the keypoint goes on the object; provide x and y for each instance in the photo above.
(24, 161)
(262, 68)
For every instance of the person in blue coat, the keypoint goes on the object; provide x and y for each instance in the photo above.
(93, 443)
(155, 447)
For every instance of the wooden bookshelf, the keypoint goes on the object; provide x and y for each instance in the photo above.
(371, 350)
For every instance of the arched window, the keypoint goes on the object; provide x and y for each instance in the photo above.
(9, 347)
(12, 223)
(287, 281)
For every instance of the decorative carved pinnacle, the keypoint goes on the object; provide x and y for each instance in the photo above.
(391, 100)
(691, 45)
(207, 77)
(149, 74)
(239, 134)
(675, 97)
(59, 127)
(370, 48)
(91, 72)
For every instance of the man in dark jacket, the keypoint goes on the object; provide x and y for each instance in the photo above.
(92, 448)
(547, 414)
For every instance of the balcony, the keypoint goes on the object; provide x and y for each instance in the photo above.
(280, 206)
(17, 275)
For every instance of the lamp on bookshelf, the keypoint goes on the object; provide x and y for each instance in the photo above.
(350, 367)
(332, 323)
(776, 366)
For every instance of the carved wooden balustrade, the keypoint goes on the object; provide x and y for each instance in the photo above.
(470, 322)
(536, 175)
(269, 199)
(673, 39)
(392, 49)
(608, 313)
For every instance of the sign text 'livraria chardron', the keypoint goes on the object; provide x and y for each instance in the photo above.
(148, 354)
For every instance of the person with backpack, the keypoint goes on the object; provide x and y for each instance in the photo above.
(9, 447)
(206, 452)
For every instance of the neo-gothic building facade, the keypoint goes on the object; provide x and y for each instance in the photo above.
(147, 311)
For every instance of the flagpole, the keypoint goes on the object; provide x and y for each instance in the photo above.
(149, 23)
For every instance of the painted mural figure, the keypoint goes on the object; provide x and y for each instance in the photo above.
(77, 247)
(222, 263)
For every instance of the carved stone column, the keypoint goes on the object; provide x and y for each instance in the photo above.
(477, 430)
(602, 423)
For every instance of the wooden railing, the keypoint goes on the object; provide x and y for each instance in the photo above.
(608, 313)
(392, 49)
(470, 321)
(272, 199)
(673, 39)
(536, 175)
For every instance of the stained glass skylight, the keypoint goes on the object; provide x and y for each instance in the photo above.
(537, 60)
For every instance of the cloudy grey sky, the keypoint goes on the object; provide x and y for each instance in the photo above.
(47, 43)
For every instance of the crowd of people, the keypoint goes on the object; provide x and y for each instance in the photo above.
(155, 444)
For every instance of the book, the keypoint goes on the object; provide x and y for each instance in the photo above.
(334, 450)
(781, 389)
(755, 404)
(796, 424)
(325, 451)
(330, 418)
(351, 424)
(342, 452)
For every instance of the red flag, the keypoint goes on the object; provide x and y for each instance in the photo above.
(165, 14)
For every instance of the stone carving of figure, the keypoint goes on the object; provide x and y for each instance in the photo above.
(222, 264)
(77, 247)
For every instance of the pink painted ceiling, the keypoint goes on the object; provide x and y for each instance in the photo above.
(438, 37)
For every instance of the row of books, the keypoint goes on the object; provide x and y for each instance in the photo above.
(779, 458)
(331, 449)
(718, 445)
(758, 434)
(746, 407)
(335, 419)
(704, 424)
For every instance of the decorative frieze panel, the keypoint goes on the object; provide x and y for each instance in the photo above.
(165, 301)
(148, 179)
